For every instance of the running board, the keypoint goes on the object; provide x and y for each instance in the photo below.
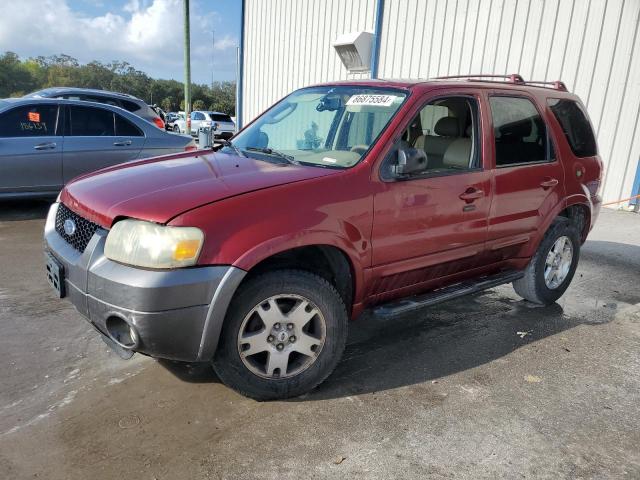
(444, 294)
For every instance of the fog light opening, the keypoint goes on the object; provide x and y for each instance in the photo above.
(122, 333)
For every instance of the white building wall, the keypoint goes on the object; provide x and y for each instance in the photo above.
(288, 45)
(592, 45)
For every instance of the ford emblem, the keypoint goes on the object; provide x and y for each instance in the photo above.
(69, 227)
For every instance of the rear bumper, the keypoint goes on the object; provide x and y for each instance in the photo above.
(177, 314)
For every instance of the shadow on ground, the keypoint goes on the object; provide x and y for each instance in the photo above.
(15, 210)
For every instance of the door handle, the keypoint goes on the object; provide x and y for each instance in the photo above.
(122, 143)
(549, 182)
(471, 194)
(45, 146)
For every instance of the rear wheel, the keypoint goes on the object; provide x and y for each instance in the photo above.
(284, 334)
(552, 267)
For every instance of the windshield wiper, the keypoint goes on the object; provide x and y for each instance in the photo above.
(236, 150)
(275, 153)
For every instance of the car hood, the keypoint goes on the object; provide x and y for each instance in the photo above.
(161, 188)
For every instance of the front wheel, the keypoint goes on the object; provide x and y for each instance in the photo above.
(284, 333)
(552, 267)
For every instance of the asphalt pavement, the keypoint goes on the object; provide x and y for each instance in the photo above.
(487, 386)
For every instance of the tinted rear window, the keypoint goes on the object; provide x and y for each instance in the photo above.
(219, 117)
(575, 126)
(91, 122)
(130, 106)
(124, 128)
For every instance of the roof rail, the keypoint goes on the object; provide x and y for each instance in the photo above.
(512, 78)
(557, 84)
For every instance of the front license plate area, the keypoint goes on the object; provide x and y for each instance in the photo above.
(55, 274)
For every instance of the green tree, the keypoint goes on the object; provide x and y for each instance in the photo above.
(166, 104)
(18, 77)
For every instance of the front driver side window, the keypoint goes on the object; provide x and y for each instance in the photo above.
(446, 132)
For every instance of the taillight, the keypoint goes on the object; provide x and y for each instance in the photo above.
(159, 123)
(190, 147)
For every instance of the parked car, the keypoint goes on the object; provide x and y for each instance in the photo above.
(122, 100)
(221, 123)
(161, 113)
(382, 195)
(44, 143)
(170, 118)
(178, 123)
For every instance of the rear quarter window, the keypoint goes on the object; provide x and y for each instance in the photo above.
(575, 126)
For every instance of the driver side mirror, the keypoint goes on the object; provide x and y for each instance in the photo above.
(409, 161)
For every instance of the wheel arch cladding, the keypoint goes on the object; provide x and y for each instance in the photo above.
(327, 261)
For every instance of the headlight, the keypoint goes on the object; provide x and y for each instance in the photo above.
(146, 244)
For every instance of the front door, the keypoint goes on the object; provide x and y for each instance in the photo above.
(30, 149)
(432, 222)
(529, 179)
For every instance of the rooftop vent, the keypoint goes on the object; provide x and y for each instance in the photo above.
(354, 49)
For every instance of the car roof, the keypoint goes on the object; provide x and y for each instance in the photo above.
(6, 102)
(95, 91)
(472, 81)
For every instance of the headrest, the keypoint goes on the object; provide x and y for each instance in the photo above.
(515, 130)
(468, 131)
(447, 127)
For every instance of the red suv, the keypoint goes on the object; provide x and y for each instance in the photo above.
(386, 195)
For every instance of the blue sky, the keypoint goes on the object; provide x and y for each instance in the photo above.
(145, 33)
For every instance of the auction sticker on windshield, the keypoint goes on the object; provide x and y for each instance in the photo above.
(372, 100)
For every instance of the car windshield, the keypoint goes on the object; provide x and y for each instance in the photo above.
(330, 126)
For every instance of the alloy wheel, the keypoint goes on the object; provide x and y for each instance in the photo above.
(281, 336)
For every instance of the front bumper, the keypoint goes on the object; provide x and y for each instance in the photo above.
(177, 314)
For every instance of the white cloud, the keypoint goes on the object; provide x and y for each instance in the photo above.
(147, 34)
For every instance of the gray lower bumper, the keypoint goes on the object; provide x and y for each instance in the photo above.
(178, 313)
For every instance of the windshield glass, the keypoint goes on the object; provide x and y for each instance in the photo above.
(330, 126)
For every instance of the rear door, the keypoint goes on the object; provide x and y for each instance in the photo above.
(31, 149)
(96, 138)
(528, 178)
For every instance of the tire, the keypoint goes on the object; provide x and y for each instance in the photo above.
(533, 286)
(176, 128)
(255, 315)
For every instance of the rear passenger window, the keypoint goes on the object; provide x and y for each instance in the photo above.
(29, 121)
(91, 122)
(575, 126)
(519, 131)
(124, 128)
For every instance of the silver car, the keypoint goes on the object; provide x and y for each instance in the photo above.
(221, 123)
(44, 143)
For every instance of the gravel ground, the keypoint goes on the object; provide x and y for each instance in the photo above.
(483, 387)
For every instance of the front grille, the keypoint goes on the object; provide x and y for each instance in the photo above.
(83, 232)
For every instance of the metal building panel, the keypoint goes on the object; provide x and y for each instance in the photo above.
(592, 45)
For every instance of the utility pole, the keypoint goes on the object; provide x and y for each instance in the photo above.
(187, 66)
(213, 46)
